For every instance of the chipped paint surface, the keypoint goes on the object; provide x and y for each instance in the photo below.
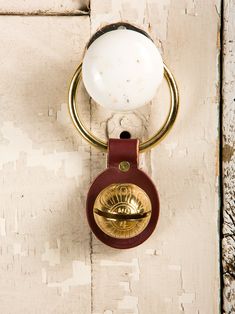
(183, 254)
(2, 227)
(17, 142)
(228, 239)
(44, 7)
(50, 262)
(129, 303)
(133, 264)
(80, 277)
(52, 255)
(44, 172)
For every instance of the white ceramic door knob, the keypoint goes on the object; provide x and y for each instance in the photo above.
(122, 69)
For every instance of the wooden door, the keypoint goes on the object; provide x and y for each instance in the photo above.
(50, 262)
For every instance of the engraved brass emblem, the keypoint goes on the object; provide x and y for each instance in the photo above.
(122, 210)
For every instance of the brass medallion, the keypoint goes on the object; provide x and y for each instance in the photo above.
(122, 210)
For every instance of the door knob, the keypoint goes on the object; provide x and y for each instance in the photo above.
(116, 67)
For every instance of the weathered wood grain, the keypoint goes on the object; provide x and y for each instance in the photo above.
(177, 269)
(228, 96)
(44, 7)
(44, 169)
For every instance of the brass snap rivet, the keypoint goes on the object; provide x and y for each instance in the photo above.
(124, 166)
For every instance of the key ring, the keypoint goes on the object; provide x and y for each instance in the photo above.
(149, 143)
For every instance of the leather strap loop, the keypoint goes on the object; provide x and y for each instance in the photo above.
(123, 150)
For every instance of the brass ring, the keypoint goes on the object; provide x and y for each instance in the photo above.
(152, 141)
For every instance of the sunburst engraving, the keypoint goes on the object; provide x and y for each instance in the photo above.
(122, 210)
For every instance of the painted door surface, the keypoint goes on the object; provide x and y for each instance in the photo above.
(50, 262)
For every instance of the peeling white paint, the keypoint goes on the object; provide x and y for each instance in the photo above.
(3, 227)
(63, 116)
(186, 298)
(52, 255)
(43, 7)
(134, 264)
(44, 275)
(41, 162)
(18, 251)
(154, 252)
(51, 112)
(171, 148)
(18, 142)
(16, 229)
(191, 8)
(174, 267)
(129, 303)
(49, 50)
(125, 285)
(183, 166)
(81, 276)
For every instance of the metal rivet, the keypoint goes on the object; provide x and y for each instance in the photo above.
(124, 166)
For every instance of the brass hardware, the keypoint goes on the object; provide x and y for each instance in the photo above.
(152, 141)
(122, 210)
(124, 166)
